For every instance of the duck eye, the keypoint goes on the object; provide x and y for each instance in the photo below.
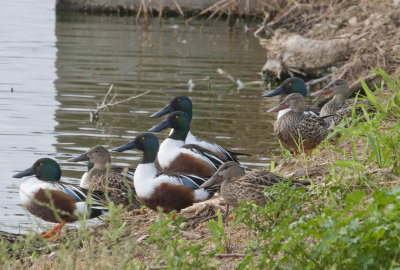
(290, 83)
(143, 138)
(179, 99)
(177, 116)
(41, 164)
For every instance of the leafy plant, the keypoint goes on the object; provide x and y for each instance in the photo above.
(174, 252)
(221, 240)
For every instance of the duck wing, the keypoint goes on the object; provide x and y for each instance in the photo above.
(209, 156)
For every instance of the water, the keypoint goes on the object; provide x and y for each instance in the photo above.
(60, 66)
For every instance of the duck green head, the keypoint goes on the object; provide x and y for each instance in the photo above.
(289, 86)
(179, 103)
(45, 169)
(146, 142)
(179, 121)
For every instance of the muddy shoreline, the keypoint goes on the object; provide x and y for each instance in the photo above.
(185, 8)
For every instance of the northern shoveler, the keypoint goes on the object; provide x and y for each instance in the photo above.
(340, 106)
(237, 185)
(102, 177)
(290, 86)
(46, 197)
(296, 129)
(170, 191)
(176, 156)
(184, 104)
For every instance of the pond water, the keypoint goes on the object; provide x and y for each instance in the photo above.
(60, 66)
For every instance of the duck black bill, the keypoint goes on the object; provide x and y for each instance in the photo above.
(277, 91)
(167, 109)
(163, 125)
(26, 172)
(83, 157)
(128, 146)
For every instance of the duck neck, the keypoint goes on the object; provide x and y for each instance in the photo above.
(150, 154)
(101, 166)
(180, 133)
(299, 108)
(337, 100)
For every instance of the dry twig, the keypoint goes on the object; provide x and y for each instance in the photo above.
(94, 114)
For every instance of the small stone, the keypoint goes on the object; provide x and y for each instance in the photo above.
(52, 256)
(353, 21)
(143, 237)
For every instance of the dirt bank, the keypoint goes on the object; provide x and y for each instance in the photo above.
(346, 39)
(184, 8)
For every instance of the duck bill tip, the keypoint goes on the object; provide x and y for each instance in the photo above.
(277, 91)
(26, 172)
(125, 147)
(161, 126)
(322, 92)
(167, 109)
(214, 181)
(279, 107)
(83, 157)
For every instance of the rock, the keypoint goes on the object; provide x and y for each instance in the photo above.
(353, 21)
(143, 237)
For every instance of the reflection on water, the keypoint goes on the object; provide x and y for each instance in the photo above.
(56, 80)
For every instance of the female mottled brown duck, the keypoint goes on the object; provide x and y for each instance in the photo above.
(295, 129)
(237, 185)
(102, 177)
(290, 86)
(340, 106)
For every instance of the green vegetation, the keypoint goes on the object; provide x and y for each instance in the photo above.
(349, 220)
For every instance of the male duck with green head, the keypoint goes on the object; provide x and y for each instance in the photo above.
(290, 86)
(177, 156)
(170, 191)
(184, 104)
(46, 197)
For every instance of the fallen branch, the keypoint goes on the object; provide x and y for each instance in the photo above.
(238, 83)
(94, 114)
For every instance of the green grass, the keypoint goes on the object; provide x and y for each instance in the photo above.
(350, 220)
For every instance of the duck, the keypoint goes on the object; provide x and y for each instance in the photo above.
(117, 181)
(176, 156)
(166, 190)
(340, 105)
(184, 104)
(295, 126)
(48, 198)
(237, 186)
(290, 86)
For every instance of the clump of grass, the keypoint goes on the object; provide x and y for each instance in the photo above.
(350, 221)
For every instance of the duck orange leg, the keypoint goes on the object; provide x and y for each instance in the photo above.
(56, 229)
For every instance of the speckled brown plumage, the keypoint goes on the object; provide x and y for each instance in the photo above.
(238, 186)
(295, 126)
(340, 106)
(113, 180)
(118, 185)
